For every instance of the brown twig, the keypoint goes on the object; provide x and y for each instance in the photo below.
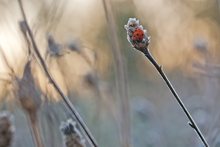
(164, 77)
(53, 82)
(139, 40)
(121, 77)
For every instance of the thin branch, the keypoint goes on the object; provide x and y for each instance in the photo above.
(192, 123)
(53, 82)
(139, 40)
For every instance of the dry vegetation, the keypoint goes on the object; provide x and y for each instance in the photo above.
(120, 99)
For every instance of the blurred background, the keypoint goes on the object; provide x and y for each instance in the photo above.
(106, 80)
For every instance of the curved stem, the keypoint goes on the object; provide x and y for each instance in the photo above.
(192, 123)
(53, 82)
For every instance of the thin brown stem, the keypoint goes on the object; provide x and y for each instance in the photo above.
(35, 130)
(53, 82)
(192, 123)
(5, 60)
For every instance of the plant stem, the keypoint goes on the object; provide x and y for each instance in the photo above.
(192, 123)
(121, 77)
(53, 82)
(35, 129)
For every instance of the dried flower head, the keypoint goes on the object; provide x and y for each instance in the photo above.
(54, 49)
(136, 35)
(91, 79)
(27, 92)
(6, 129)
(74, 45)
(201, 45)
(71, 135)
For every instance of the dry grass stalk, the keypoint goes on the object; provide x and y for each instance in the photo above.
(27, 93)
(105, 100)
(6, 129)
(30, 99)
(210, 73)
(71, 135)
(121, 78)
(50, 14)
(53, 82)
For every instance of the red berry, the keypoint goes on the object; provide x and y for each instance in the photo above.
(138, 35)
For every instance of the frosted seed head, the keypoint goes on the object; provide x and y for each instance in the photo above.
(133, 26)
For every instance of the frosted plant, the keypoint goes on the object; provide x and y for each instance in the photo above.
(136, 35)
(6, 129)
(71, 135)
(139, 40)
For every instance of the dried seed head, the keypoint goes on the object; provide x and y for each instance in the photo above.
(91, 79)
(201, 45)
(54, 48)
(27, 91)
(73, 45)
(6, 129)
(136, 35)
(71, 135)
(23, 26)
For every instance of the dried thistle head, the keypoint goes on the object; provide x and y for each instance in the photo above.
(74, 45)
(136, 35)
(54, 49)
(71, 135)
(91, 79)
(23, 26)
(201, 45)
(6, 129)
(57, 49)
(27, 91)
